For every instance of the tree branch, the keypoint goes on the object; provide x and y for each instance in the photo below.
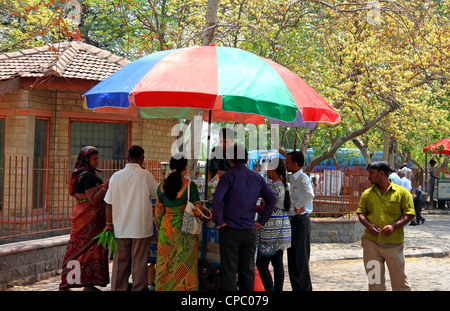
(340, 141)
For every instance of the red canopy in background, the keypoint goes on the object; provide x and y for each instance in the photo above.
(436, 147)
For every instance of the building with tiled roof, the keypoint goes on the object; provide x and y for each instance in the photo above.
(73, 59)
(42, 114)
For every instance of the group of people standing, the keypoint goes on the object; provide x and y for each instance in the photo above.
(283, 224)
(123, 204)
(403, 177)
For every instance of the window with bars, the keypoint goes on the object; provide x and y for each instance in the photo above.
(40, 153)
(109, 138)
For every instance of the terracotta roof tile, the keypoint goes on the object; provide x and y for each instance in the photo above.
(66, 59)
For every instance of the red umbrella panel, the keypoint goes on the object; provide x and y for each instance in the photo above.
(441, 147)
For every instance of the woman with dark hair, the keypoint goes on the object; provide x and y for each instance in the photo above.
(83, 255)
(177, 255)
(275, 236)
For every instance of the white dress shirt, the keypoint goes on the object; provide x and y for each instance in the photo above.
(130, 192)
(395, 179)
(406, 183)
(302, 193)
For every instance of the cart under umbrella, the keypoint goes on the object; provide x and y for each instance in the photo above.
(222, 83)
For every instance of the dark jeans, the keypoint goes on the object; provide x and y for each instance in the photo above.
(418, 216)
(237, 256)
(298, 253)
(431, 188)
(262, 263)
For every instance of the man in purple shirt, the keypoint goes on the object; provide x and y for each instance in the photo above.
(234, 206)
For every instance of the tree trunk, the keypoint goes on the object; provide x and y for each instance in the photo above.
(393, 154)
(386, 139)
(364, 148)
(208, 36)
(306, 138)
(445, 161)
(294, 147)
(211, 17)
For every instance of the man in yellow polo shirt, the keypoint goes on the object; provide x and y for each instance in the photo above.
(384, 210)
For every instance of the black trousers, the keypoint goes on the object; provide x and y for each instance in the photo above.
(262, 263)
(237, 256)
(298, 253)
(418, 215)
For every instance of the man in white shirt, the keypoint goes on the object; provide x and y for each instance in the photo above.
(408, 172)
(302, 195)
(129, 210)
(405, 181)
(394, 177)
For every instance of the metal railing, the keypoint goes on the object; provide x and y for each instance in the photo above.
(35, 196)
(337, 192)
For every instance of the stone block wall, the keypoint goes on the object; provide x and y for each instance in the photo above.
(27, 262)
(325, 230)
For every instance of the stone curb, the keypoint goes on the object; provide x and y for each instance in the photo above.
(12, 248)
(436, 212)
(434, 252)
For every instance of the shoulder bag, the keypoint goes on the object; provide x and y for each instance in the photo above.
(191, 223)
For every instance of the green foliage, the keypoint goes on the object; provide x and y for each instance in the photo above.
(400, 63)
(107, 239)
(31, 23)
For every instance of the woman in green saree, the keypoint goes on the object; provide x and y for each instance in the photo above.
(177, 255)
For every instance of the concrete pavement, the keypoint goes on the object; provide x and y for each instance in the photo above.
(339, 267)
(336, 266)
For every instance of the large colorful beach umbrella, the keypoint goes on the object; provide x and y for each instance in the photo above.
(230, 84)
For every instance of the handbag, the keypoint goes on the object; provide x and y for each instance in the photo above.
(191, 223)
(267, 249)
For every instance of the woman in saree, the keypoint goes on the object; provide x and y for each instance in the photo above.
(177, 255)
(83, 255)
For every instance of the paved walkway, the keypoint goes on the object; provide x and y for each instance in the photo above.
(336, 266)
(339, 267)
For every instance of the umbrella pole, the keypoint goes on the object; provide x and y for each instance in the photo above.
(208, 143)
(203, 243)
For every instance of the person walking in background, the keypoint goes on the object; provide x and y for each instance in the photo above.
(418, 205)
(88, 220)
(177, 255)
(408, 172)
(405, 181)
(302, 195)
(275, 236)
(384, 210)
(130, 215)
(394, 177)
(433, 177)
(234, 207)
